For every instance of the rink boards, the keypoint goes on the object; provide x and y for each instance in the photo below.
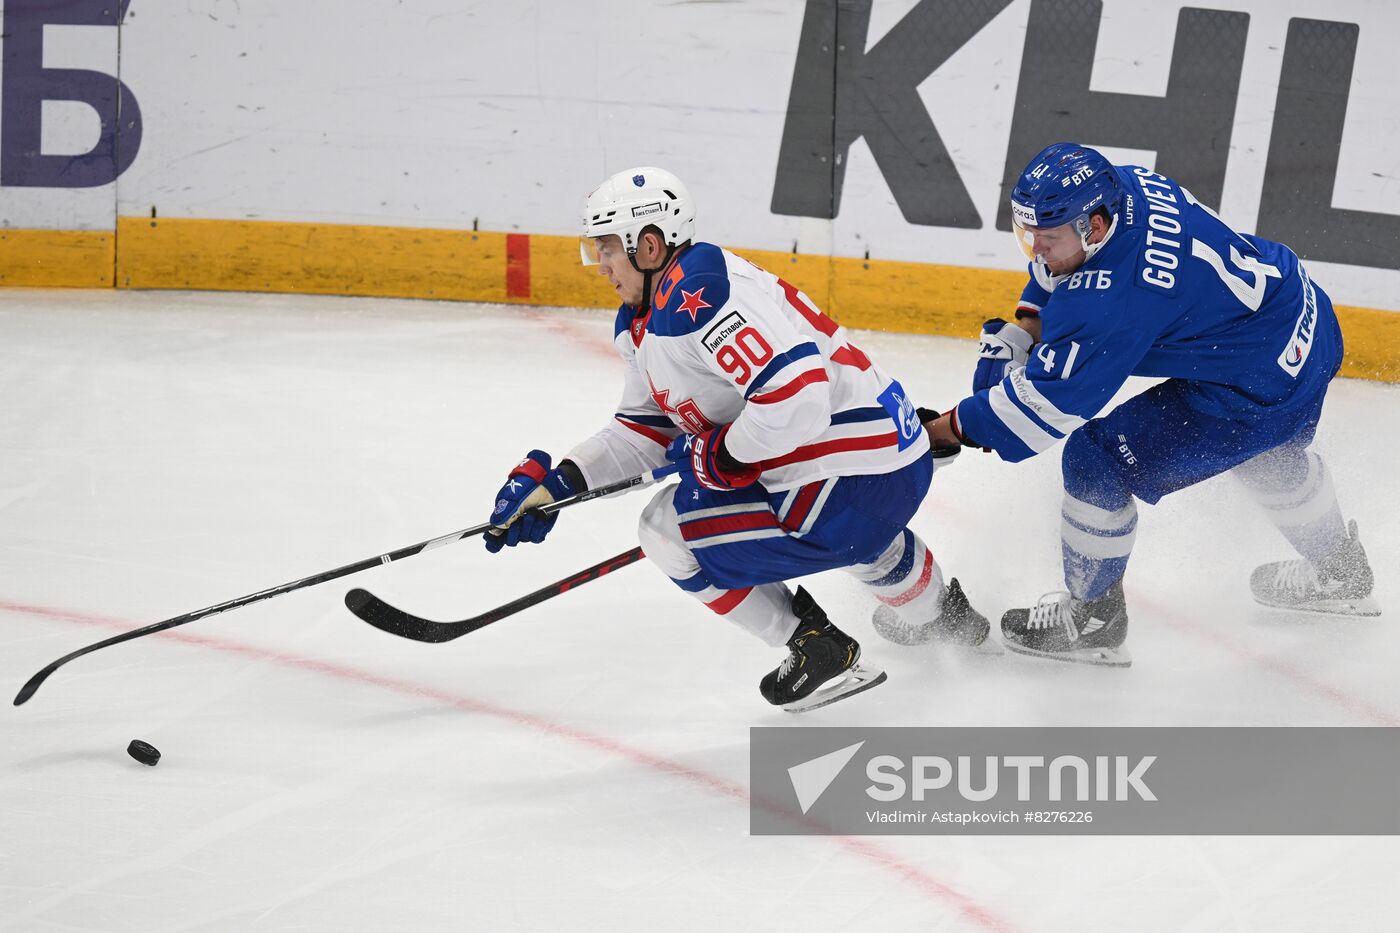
(441, 150)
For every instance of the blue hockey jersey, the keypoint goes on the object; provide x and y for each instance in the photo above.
(1173, 292)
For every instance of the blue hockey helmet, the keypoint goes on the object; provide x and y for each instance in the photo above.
(1063, 185)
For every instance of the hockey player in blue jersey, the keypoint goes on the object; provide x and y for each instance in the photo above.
(1130, 275)
(798, 453)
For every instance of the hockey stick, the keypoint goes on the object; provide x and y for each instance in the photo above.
(33, 684)
(395, 621)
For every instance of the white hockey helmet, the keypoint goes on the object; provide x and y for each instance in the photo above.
(633, 200)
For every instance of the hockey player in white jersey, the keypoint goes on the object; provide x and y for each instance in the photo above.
(1130, 275)
(797, 454)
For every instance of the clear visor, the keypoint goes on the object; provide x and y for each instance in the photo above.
(1049, 244)
(596, 250)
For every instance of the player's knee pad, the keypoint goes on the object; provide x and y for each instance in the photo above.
(1093, 469)
(658, 532)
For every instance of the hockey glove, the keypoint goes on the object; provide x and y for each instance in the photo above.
(703, 461)
(530, 485)
(943, 453)
(1002, 348)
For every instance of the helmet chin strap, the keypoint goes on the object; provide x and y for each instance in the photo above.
(648, 273)
(1091, 248)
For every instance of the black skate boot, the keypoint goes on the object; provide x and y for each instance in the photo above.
(1069, 629)
(957, 624)
(821, 666)
(1340, 584)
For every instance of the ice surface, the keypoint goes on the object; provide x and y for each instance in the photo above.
(581, 766)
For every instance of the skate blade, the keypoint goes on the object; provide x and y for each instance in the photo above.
(1100, 657)
(857, 679)
(988, 647)
(901, 633)
(1366, 606)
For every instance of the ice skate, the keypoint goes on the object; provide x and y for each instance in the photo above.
(1069, 629)
(958, 624)
(822, 663)
(1340, 584)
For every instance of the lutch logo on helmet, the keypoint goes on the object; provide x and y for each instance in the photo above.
(639, 180)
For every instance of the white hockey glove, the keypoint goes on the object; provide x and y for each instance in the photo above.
(1002, 347)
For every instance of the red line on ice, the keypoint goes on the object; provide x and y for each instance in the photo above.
(577, 336)
(931, 886)
(1378, 715)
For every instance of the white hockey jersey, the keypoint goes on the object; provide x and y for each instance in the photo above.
(728, 342)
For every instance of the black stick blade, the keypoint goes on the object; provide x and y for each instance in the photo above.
(32, 685)
(387, 618)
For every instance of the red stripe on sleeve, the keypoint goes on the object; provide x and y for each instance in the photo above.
(792, 388)
(649, 433)
(839, 446)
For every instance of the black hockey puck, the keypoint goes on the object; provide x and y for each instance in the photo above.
(144, 752)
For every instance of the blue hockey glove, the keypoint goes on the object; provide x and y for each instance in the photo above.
(703, 461)
(1002, 348)
(530, 485)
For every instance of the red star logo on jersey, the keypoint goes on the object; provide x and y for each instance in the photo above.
(686, 413)
(660, 396)
(693, 302)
